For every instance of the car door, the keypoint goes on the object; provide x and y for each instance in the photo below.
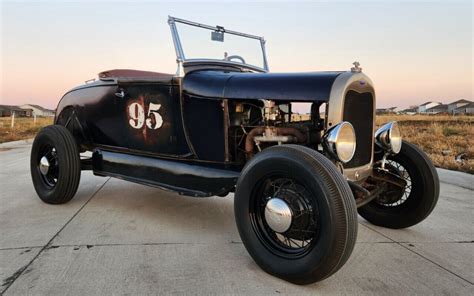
(97, 108)
(153, 118)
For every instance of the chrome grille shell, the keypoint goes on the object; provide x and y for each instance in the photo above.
(347, 83)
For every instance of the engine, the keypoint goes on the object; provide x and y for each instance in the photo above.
(256, 125)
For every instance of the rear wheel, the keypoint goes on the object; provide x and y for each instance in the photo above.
(55, 165)
(295, 213)
(404, 207)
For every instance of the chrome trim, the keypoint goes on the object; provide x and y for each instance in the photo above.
(120, 93)
(383, 137)
(331, 137)
(356, 68)
(359, 82)
(265, 62)
(213, 28)
(44, 165)
(278, 215)
(177, 42)
(180, 56)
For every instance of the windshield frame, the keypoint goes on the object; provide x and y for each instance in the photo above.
(181, 59)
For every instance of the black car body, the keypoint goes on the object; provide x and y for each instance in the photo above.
(198, 130)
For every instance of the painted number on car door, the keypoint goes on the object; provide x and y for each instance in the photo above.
(153, 119)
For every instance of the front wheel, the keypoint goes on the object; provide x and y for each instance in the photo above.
(55, 165)
(404, 207)
(295, 214)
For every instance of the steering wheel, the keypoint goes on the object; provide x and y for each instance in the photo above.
(229, 58)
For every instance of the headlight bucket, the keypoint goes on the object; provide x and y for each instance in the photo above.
(389, 138)
(340, 141)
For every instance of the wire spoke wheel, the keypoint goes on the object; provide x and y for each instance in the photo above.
(295, 213)
(400, 207)
(396, 196)
(296, 239)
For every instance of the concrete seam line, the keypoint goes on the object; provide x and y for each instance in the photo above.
(20, 248)
(456, 184)
(161, 244)
(124, 245)
(427, 259)
(21, 270)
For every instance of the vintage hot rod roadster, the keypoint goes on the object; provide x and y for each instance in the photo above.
(223, 123)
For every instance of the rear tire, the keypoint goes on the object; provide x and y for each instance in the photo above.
(408, 208)
(325, 217)
(55, 165)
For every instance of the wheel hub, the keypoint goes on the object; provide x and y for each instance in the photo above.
(278, 215)
(394, 195)
(44, 165)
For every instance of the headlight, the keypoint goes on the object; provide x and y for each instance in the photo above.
(389, 138)
(340, 141)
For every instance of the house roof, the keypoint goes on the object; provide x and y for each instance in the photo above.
(37, 107)
(429, 102)
(470, 105)
(383, 109)
(441, 107)
(460, 101)
(11, 108)
(410, 110)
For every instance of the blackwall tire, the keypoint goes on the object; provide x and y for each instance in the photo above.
(419, 202)
(328, 195)
(61, 180)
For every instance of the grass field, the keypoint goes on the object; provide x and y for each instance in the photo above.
(442, 137)
(24, 127)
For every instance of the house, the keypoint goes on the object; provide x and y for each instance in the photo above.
(457, 104)
(465, 109)
(410, 111)
(386, 110)
(9, 110)
(441, 108)
(38, 110)
(423, 107)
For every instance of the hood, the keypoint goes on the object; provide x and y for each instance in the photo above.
(304, 87)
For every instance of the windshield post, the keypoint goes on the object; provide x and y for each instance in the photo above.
(177, 46)
(265, 63)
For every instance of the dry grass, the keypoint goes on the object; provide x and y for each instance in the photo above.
(442, 137)
(24, 128)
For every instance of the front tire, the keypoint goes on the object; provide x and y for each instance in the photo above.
(321, 232)
(55, 165)
(411, 204)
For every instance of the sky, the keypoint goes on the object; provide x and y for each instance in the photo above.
(413, 51)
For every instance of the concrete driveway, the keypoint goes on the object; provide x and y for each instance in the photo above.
(117, 237)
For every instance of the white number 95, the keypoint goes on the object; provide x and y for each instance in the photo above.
(136, 113)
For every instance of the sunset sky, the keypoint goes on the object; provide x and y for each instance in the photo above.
(413, 52)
